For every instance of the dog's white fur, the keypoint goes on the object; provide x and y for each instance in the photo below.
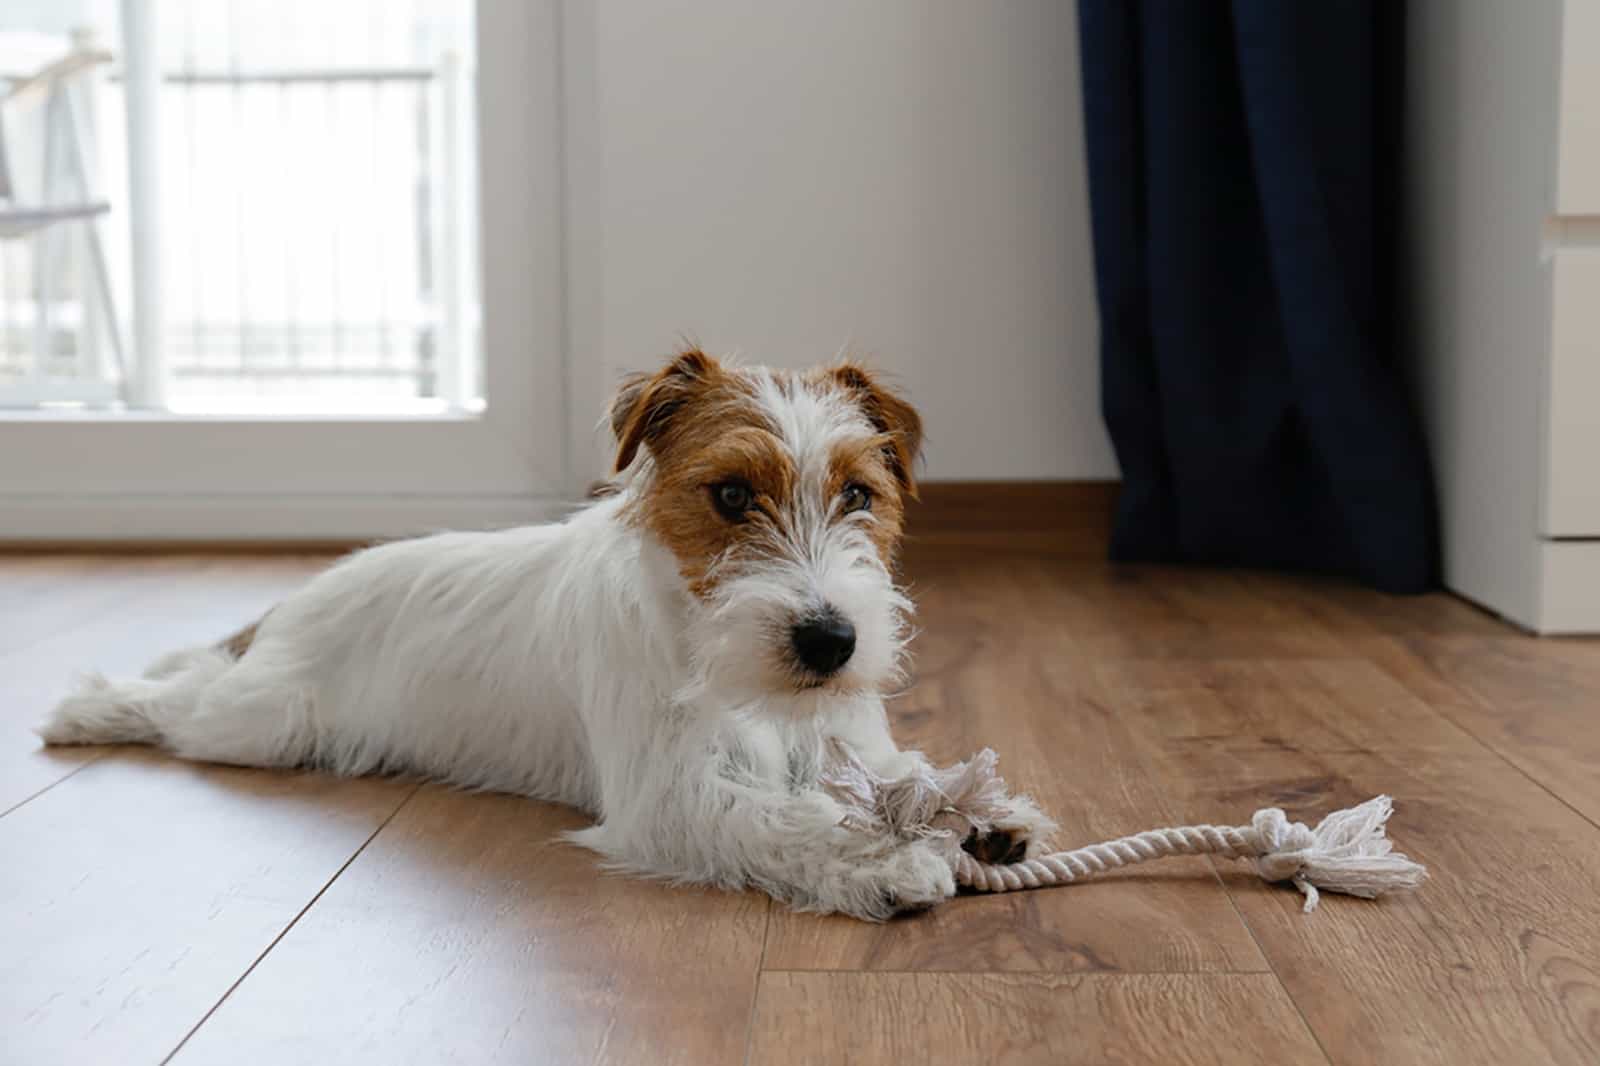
(569, 662)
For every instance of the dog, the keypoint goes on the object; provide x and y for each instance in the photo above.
(678, 658)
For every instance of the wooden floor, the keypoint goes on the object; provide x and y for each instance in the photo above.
(153, 910)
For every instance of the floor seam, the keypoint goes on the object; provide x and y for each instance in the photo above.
(1273, 970)
(69, 775)
(755, 991)
(858, 972)
(301, 913)
(1143, 759)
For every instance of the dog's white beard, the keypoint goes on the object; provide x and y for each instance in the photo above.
(739, 638)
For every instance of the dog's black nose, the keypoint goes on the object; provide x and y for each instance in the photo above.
(824, 644)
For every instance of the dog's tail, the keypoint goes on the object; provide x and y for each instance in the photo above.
(102, 711)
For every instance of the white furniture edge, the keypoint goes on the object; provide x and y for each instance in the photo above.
(1570, 576)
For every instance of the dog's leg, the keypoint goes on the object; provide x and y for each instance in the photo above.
(140, 711)
(249, 716)
(204, 706)
(797, 847)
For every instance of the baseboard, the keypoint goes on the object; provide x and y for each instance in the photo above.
(250, 523)
(1072, 517)
(1053, 516)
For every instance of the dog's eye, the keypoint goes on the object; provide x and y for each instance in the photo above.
(856, 498)
(733, 498)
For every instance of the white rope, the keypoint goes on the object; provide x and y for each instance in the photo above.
(1347, 852)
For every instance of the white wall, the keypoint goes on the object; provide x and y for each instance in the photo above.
(788, 177)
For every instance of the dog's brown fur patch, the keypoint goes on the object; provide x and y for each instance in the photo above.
(239, 643)
(863, 463)
(892, 416)
(702, 426)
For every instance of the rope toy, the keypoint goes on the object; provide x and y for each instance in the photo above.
(1347, 852)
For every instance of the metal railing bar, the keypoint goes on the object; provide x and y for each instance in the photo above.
(289, 77)
(329, 372)
(290, 287)
(242, 257)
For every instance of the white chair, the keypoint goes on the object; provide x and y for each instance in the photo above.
(44, 219)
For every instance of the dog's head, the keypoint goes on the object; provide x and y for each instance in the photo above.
(780, 496)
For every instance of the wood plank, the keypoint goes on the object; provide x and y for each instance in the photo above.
(40, 598)
(1236, 1019)
(1537, 702)
(44, 597)
(62, 616)
(1496, 960)
(1089, 612)
(984, 679)
(469, 931)
(1533, 700)
(137, 892)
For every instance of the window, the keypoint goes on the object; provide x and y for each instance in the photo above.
(311, 222)
(286, 257)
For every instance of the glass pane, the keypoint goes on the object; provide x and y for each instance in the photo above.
(55, 332)
(316, 224)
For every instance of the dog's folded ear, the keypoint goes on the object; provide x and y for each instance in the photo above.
(892, 416)
(646, 403)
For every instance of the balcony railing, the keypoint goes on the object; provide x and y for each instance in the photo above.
(315, 239)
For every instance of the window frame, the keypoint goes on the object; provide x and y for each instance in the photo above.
(86, 475)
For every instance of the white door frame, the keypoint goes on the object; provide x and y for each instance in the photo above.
(78, 476)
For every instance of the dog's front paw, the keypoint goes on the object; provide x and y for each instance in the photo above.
(1022, 832)
(996, 847)
(912, 879)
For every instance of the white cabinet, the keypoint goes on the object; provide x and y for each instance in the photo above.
(1572, 424)
(1503, 240)
(1578, 118)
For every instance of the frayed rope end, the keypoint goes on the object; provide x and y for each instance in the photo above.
(1348, 852)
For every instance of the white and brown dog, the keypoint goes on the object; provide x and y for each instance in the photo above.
(678, 658)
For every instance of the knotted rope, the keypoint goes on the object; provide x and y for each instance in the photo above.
(1348, 852)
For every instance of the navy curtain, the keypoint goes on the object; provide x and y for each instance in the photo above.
(1242, 172)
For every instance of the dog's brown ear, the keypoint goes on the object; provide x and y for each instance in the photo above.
(646, 403)
(890, 415)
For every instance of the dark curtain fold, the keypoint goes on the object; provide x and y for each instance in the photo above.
(1242, 171)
